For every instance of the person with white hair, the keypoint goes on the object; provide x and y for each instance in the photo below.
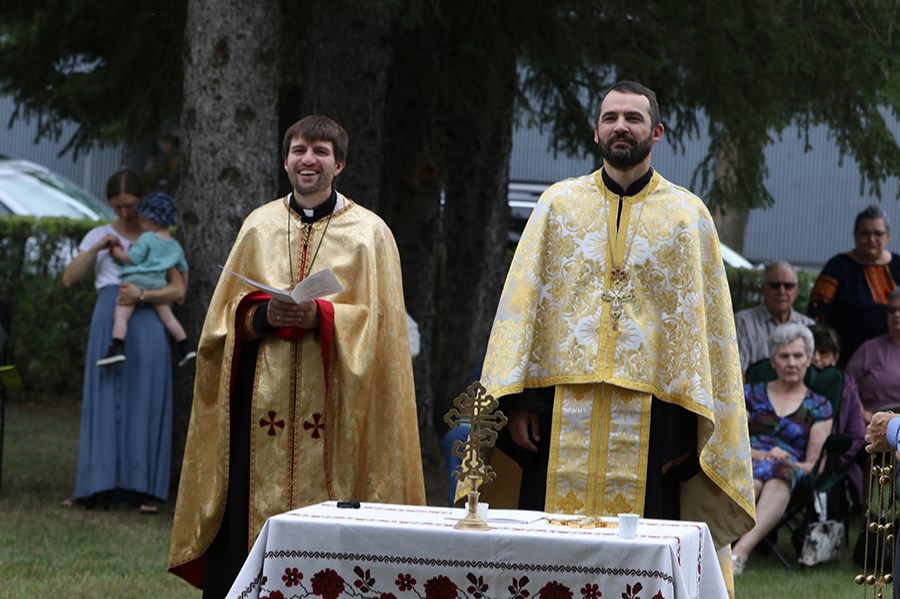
(788, 425)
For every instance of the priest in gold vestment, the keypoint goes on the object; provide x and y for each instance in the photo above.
(613, 350)
(297, 403)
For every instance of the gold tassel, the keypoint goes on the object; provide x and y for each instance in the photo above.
(882, 488)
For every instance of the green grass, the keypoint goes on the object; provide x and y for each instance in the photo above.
(49, 551)
(766, 578)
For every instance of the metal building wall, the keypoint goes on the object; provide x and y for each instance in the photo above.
(90, 171)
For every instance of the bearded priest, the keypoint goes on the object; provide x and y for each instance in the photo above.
(613, 350)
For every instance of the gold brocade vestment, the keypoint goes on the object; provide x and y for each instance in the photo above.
(610, 316)
(353, 437)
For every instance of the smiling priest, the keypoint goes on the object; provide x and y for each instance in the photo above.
(295, 404)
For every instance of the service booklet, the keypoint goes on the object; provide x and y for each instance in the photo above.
(316, 285)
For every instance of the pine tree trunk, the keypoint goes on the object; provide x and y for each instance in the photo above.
(731, 220)
(478, 141)
(411, 207)
(230, 114)
(347, 51)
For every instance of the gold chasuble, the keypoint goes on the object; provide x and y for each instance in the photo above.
(611, 315)
(329, 418)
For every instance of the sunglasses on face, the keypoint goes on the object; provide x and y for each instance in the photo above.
(775, 285)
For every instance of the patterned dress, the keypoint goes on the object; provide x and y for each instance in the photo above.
(790, 433)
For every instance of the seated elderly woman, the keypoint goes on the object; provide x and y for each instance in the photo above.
(788, 426)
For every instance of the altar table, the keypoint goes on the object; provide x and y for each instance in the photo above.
(381, 551)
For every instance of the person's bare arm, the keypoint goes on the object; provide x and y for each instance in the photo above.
(817, 435)
(174, 291)
(184, 280)
(119, 253)
(76, 270)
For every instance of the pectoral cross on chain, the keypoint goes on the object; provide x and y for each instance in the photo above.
(617, 295)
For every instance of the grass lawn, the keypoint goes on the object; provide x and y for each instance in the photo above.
(49, 551)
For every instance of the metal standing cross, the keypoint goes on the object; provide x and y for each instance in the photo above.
(617, 295)
(479, 410)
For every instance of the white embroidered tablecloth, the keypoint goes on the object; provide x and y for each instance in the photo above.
(382, 551)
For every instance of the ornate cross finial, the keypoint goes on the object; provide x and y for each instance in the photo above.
(479, 410)
(617, 295)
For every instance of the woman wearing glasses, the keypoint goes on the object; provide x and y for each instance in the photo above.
(852, 291)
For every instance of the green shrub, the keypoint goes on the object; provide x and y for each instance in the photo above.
(49, 322)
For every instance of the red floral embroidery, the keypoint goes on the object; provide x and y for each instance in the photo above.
(316, 425)
(271, 422)
(292, 576)
(517, 588)
(631, 592)
(440, 587)
(405, 582)
(327, 584)
(364, 581)
(477, 589)
(555, 590)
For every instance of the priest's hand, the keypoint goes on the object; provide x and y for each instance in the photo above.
(876, 433)
(284, 314)
(525, 426)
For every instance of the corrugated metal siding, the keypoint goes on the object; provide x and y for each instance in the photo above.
(90, 171)
(816, 198)
(816, 202)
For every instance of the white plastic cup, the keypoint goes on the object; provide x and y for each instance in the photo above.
(628, 525)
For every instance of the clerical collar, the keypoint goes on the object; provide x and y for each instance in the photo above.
(311, 215)
(632, 190)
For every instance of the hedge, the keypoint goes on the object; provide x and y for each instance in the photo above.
(49, 322)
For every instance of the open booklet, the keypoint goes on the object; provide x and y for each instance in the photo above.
(316, 285)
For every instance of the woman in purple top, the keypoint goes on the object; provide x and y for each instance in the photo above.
(788, 425)
(875, 366)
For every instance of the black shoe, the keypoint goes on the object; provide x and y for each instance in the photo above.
(187, 352)
(114, 354)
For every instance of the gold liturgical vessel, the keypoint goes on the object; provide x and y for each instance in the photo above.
(479, 410)
(882, 491)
